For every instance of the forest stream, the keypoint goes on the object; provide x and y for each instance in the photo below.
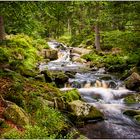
(101, 89)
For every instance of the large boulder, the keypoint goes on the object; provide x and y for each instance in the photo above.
(16, 114)
(84, 111)
(133, 82)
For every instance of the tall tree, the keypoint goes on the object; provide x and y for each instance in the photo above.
(2, 31)
(97, 30)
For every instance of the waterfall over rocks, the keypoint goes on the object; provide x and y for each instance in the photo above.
(101, 90)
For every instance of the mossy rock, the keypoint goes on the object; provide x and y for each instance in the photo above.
(66, 97)
(71, 95)
(131, 112)
(137, 118)
(16, 115)
(83, 111)
(50, 54)
(132, 99)
(133, 82)
(60, 78)
(115, 67)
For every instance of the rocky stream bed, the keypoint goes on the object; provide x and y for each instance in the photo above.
(101, 92)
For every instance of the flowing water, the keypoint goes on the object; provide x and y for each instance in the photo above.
(103, 91)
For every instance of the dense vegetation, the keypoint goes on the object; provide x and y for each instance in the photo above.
(109, 29)
(105, 26)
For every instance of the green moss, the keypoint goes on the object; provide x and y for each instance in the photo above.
(132, 99)
(16, 115)
(132, 112)
(36, 132)
(81, 111)
(71, 95)
(26, 93)
(11, 134)
(19, 52)
(60, 78)
(137, 118)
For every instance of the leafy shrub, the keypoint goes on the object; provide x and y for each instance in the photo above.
(40, 44)
(121, 39)
(65, 39)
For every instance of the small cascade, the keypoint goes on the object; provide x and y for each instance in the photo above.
(63, 63)
(100, 89)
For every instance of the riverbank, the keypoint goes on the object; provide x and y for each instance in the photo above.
(66, 99)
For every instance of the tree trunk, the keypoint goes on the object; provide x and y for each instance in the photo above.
(2, 31)
(69, 27)
(97, 38)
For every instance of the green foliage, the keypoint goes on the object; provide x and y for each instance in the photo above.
(31, 132)
(120, 39)
(71, 95)
(40, 43)
(19, 52)
(51, 119)
(65, 39)
(3, 55)
(114, 58)
(12, 134)
(72, 134)
(36, 132)
(48, 122)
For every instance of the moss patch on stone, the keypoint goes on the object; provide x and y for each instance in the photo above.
(71, 95)
(132, 99)
(16, 115)
(131, 112)
(83, 111)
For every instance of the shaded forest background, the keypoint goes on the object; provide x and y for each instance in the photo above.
(111, 32)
